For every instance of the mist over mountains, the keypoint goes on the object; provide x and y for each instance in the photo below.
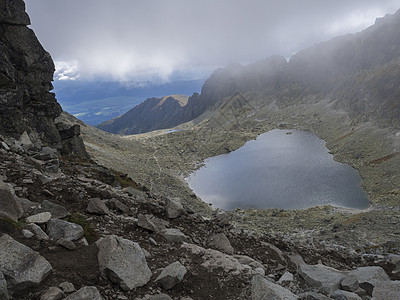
(357, 72)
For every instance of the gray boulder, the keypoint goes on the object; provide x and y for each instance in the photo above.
(67, 287)
(146, 222)
(350, 283)
(275, 253)
(344, 295)
(220, 242)
(262, 289)
(97, 207)
(53, 293)
(58, 229)
(174, 208)
(39, 233)
(173, 235)
(57, 211)
(118, 205)
(10, 207)
(314, 296)
(171, 275)
(26, 141)
(85, 293)
(39, 218)
(23, 266)
(369, 277)
(123, 261)
(323, 278)
(3, 287)
(386, 290)
(160, 297)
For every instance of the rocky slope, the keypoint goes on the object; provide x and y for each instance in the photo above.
(152, 114)
(72, 229)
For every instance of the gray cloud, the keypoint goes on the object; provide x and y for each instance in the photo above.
(128, 39)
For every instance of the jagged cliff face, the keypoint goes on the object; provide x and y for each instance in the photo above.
(26, 72)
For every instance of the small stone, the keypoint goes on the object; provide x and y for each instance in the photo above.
(173, 235)
(67, 287)
(28, 234)
(171, 275)
(39, 233)
(152, 241)
(66, 244)
(26, 141)
(120, 206)
(53, 293)
(286, 277)
(144, 221)
(97, 207)
(86, 293)
(39, 218)
(160, 297)
(5, 146)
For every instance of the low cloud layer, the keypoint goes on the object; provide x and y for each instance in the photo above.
(155, 39)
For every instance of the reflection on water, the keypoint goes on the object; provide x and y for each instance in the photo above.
(286, 169)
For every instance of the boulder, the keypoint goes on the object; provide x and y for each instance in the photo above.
(220, 242)
(58, 229)
(145, 221)
(173, 235)
(85, 293)
(97, 207)
(39, 233)
(39, 218)
(275, 253)
(118, 205)
(123, 261)
(213, 259)
(57, 211)
(10, 207)
(350, 283)
(314, 296)
(53, 293)
(247, 260)
(67, 287)
(23, 266)
(262, 289)
(171, 275)
(174, 208)
(160, 297)
(3, 287)
(286, 277)
(386, 290)
(323, 278)
(345, 295)
(26, 141)
(369, 277)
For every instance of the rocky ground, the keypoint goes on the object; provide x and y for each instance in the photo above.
(74, 229)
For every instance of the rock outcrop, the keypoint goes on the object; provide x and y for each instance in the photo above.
(26, 72)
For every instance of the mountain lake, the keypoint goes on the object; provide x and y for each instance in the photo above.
(285, 169)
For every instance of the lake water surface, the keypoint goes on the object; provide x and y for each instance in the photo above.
(278, 170)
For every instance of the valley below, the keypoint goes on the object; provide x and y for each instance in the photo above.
(161, 161)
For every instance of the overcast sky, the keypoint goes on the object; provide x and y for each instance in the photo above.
(138, 40)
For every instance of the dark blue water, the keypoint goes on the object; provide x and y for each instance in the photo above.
(278, 170)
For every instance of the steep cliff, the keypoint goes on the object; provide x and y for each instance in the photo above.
(26, 72)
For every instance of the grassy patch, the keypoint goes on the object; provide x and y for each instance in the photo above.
(88, 231)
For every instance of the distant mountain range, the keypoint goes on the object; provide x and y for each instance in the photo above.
(97, 101)
(359, 73)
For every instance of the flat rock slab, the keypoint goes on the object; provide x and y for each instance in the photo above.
(262, 289)
(21, 264)
(173, 235)
(9, 205)
(39, 218)
(59, 229)
(171, 275)
(57, 211)
(85, 293)
(123, 261)
(37, 230)
(53, 293)
(324, 278)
